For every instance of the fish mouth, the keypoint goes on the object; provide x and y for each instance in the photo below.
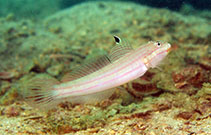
(169, 48)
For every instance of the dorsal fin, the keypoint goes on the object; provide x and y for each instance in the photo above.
(121, 48)
(87, 68)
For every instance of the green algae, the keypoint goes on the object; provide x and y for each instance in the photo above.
(55, 70)
(207, 88)
(97, 117)
(11, 94)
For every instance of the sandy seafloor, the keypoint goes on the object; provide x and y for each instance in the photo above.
(172, 100)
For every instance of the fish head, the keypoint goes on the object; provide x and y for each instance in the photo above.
(157, 52)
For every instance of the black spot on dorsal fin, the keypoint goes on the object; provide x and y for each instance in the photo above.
(122, 47)
(117, 39)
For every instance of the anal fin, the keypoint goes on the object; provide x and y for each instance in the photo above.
(92, 98)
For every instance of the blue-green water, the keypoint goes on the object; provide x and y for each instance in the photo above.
(41, 8)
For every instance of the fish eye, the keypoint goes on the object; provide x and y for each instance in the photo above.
(158, 44)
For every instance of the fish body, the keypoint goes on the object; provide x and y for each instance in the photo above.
(124, 64)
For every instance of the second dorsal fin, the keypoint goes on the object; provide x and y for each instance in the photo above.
(121, 48)
(87, 68)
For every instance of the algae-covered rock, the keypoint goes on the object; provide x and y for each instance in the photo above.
(207, 88)
(10, 96)
(5, 85)
(55, 70)
(176, 96)
(3, 46)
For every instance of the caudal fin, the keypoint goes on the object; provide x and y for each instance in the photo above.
(40, 92)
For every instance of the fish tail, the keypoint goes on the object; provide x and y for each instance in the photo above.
(40, 92)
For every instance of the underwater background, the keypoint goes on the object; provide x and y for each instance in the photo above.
(51, 37)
